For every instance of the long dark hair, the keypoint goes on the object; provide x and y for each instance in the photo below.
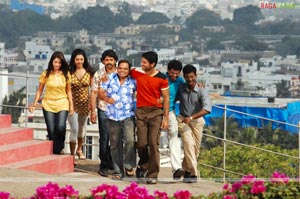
(86, 64)
(64, 65)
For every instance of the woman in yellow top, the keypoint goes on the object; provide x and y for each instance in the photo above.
(57, 101)
(81, 79)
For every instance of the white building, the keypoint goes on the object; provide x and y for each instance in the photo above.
(2, 52)
(34, 51)
(165, 54)
(3, 86)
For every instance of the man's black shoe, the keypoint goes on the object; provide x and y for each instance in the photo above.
(188, 178)
(178, 174)
(140, 173)
(187, 175)
(103, 172)
(151, 181)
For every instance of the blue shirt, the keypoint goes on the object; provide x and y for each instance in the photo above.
(173, 88)
(123, 96)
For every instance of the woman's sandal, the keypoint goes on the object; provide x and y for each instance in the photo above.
(129, 172)
(116, 177)
(80, 155)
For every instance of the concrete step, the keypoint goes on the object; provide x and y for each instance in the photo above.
(14, 135)
(5, 121)
(24, 150)
(49, 164)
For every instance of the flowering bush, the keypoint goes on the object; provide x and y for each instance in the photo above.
(279, 186)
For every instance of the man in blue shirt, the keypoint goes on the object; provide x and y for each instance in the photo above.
(118, 92)
(174, 79)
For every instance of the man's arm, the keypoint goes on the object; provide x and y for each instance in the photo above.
(166, 106)
(206, 109)
(93, 97)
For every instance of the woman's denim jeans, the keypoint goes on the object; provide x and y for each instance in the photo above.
(56, 128)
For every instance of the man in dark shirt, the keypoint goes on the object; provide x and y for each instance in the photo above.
(194, 104)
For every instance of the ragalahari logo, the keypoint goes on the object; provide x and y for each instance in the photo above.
(276, 5)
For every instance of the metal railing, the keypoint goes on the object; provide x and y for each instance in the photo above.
(224, 139)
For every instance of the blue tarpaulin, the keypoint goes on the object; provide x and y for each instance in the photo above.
(289, 115)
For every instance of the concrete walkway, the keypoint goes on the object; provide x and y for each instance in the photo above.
(22, 183)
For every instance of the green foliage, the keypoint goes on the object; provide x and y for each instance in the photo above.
(15, 99)
(94, 19)
(214, 44)
(249, 43)
(21, 23)
(245, 160)
(282, 27)
(283, 86)
(246, 16)
(200, 18)
(278, 186)
(288, 46)
(152, 18)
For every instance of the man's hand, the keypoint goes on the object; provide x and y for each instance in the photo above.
(187, 120)
(160, 100)
(165, 123)
(93, 117)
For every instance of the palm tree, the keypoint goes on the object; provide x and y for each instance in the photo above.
(15, 99)
(248, 135)
(217, 130)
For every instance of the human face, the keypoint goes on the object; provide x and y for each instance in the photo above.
(79, 60)
(173, 74)
(109, 62)
(123, 70)
(56, 64)
(146, 66)
(190, 79)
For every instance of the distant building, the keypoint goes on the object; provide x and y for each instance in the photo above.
(2, 52)
(3, 86)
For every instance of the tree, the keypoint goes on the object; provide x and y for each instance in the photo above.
(250, 43)
(15, 99)
(247, 16)
(124, 17)
(282, 88)
(217, 129)
(200, 18)
(152, 18)
(288, 46)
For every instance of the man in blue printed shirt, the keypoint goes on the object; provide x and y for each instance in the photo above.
(119, 92)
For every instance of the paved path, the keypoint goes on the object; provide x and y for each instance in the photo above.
(23, 183)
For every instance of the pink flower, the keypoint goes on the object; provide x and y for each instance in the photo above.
(133, 191)
(182, 194)
(109, 191)
(160, 195)
(258, 187)
(68, 190)
(229, 197)
(4, 195)
(235, 187)
(248, 179)
(226, 187)
(279, 178)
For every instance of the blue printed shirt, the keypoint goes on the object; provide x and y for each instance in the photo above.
(173, 88)
(123, 96)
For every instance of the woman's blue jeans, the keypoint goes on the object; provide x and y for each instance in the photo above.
(56, 128)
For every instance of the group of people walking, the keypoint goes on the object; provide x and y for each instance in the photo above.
(74, 91)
